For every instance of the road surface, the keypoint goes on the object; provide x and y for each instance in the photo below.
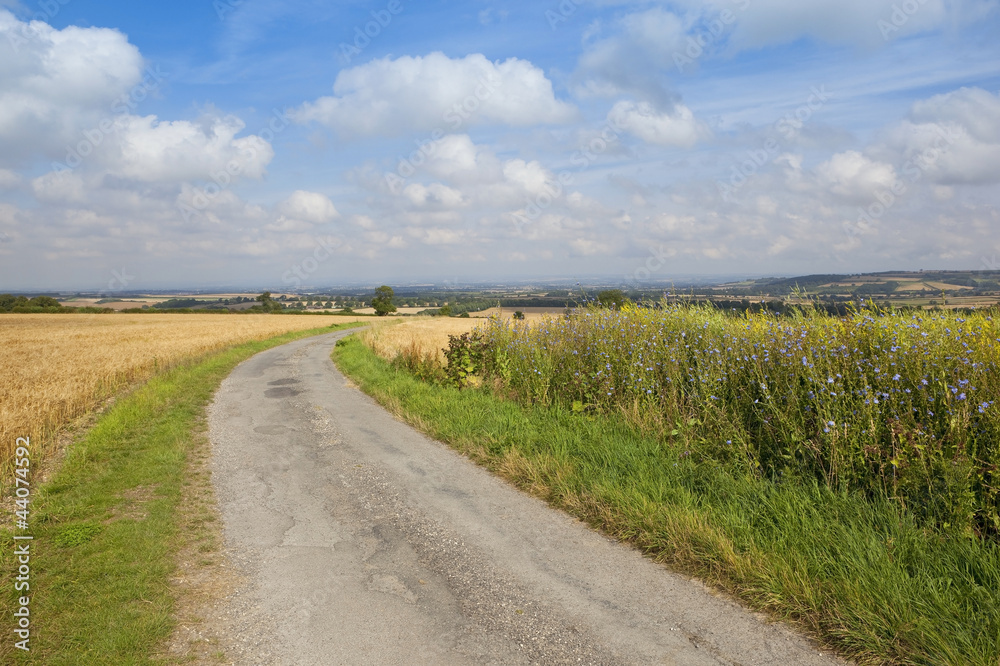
(361, 541)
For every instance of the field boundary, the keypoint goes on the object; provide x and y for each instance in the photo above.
(857, 575)
(109, 526)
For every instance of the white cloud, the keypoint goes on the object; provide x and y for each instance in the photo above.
(149, 150)
(678, 128)
(56, 83)
(61, 187)
(424, 93)
(310, 207)
(531, 177)
(434, 194)
(457, 159)
(953, 138)
(855, 177)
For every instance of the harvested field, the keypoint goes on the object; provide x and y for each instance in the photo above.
(419, 337)
(58, 367)
(529, 313)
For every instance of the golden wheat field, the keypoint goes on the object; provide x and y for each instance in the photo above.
(58, 367)
(419, 337)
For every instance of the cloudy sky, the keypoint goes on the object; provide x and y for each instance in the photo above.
(284, 144)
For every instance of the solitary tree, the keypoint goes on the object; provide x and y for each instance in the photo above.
(611, 298)
(383, 301)
(267, 303)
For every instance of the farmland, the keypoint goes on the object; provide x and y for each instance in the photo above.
(904, 406)
(58, 367)
(841, 472)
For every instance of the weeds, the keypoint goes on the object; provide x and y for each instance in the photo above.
(896, 406)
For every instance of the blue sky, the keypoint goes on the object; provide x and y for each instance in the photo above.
(263, 144)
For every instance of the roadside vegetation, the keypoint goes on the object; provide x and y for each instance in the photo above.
(107, 527)
(56, 368)
(841, 472)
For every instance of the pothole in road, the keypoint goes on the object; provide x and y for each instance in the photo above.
(282, 392)
(284, 382)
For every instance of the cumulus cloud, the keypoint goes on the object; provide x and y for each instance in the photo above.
(953, 138)
(389, 97)
(456, 158)
(60, 187)
(855, 177)
(150, 150)
(55, 83)
(434, 194)
(310, 207)
(678, 128)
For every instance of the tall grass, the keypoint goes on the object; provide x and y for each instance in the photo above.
(858, 572)
(898, 406)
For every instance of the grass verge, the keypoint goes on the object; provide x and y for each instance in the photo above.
(106, 527)
(857, 574)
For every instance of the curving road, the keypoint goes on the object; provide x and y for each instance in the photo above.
(361, 541)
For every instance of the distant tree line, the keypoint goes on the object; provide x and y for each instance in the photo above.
(11, 303)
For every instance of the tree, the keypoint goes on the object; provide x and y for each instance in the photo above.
(383, 301)
(518, 314)
(445, 311)
(267, 303)
(44, 302)
(611, 298)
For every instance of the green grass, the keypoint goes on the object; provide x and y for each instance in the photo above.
(106, 527)
(858, 573)
(901, 405)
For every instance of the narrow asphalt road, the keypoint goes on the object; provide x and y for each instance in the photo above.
(361, 541)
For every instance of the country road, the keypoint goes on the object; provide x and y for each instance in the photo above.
(361, 541)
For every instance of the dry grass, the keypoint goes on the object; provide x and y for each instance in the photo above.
(419, 337)
(530, 314)
(57, 367)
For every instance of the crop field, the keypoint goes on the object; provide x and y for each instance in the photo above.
(58, 367)
(839, 472)
(906, 407)
(421, 338)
